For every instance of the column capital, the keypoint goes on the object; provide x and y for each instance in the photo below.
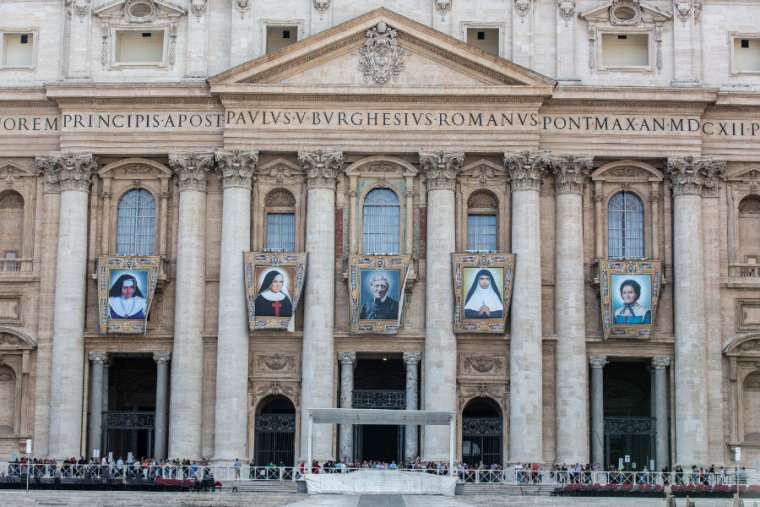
(598, 361)
(321, 167)
(162, 357)
(526, 169)
(236, 167)
(412, 358)
(66, 171)
(347, 358)
(191, 169)
(98, 357)
(570, 173)
(441, 169)
(694, 175)
(660, 362)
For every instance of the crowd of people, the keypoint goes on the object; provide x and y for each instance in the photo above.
(587, 474)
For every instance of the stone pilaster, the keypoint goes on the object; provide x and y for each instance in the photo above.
(660, 365)
(687, 179)
(571, 386)
(197, 40)
(241, 32)
(79, 20)
(347, 362)
(597, 409)
(185, 411)
(440, 365)
(95, 424)
(526, 171)
(162, 403)
(567, 21)
(71, 174)
(322, 170)
(411, 360)
(231, 414)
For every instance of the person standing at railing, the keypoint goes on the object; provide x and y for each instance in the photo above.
(237, 465)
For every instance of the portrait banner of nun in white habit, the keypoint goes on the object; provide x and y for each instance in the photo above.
(125, 290)
(273, 284)
(482, 291)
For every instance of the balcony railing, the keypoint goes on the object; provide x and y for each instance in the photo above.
(379, 398)
(751, 271)
(15, 265)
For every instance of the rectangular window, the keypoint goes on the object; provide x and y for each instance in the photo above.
(281, 232)
(746, 54)
(625, 50)
(486, 39)
(481, 233)
(279, 37)
(18, 50)
(136, 47)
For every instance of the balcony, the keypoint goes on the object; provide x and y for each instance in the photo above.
(13, 270)
(379, 398)
(744, 276)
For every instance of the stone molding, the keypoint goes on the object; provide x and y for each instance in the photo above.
(523, 7)
(347, 358)
(198, 7)
(191, 169)
(236, 167)
(277, 362)
(441, 169)
(570, 173)
(566, 8)
(660, 362)
(98, 357)
(381, 58)
(412, 358)
(526, 169)
(79, 7)
(321, 167)
(695, 176)
(66, 171)
(443, 6)
(321, 5)
(598, 361)
(162, 357)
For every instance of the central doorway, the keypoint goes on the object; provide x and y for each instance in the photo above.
(379, 383)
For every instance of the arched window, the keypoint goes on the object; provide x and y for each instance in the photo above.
(136, 224)
(11, 229)
(749, 230)
(482, 211)
(382, 222)
(625, 226)
(281, 221)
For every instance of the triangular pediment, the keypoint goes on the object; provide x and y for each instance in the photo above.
(381, 49)
(637, 12)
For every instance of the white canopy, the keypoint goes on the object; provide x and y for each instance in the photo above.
(379, 417)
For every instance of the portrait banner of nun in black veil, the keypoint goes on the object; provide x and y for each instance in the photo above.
(483, 288)
(126, 286)
(273, 282)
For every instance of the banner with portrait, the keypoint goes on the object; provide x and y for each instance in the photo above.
(376, 289)
(126, 286)
(630, 291)
(273, 285)
(482, 291)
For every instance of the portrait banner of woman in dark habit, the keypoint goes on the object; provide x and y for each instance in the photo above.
(273, 299)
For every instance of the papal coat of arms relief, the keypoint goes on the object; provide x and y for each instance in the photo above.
(381, 59)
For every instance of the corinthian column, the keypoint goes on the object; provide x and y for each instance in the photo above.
(526, 171)
(187, 358)
(322, 169)
(570, 312)
(440, 365)
(72, 172)
(687, 178)
(347, 362)
(411, 360)
(236, 169)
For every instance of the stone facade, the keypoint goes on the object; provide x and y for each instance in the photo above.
(542, 136)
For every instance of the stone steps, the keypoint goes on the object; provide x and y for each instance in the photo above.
(507, 489)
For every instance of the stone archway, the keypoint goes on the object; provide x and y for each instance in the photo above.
(482, 433)
(274, 436)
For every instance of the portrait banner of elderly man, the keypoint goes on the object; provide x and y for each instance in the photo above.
(126, 286)
(273, 285)
(376, 290)
(482, 291)
(629, 291)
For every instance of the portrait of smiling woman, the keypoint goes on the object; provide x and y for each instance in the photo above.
(631, 311)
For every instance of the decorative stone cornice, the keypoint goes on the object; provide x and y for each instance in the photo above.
(191, 169)
(98, 357)
(412, 358)
(321, 167)
(162, 357)
(660, 362)
(598, 361)
(66, 171)
(526, 169)
(441, 169)
(236, 167)
(570, 173)
(694, 176)
(347, 358)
